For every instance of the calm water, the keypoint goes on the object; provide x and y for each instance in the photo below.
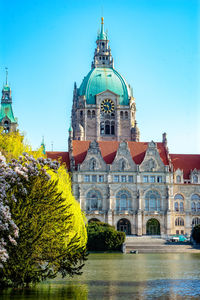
(124, 276)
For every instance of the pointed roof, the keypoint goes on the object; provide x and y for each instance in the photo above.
(6, 87)
(102, 35)
(6, 111)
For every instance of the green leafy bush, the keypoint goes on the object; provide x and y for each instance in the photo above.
(196, 233)
(102, 237)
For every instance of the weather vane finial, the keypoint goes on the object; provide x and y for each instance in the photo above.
(102, 18)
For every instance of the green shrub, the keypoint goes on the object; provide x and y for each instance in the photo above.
(196, 233)
(102, 237)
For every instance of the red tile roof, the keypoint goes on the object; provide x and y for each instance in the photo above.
(185, 162)
(109, 150)
(60, 156)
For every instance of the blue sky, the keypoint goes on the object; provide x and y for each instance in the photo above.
(48, 45)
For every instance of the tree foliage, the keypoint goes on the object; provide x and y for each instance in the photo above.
(13, 144)
(46, 233)
(102, 237)
(196, 233)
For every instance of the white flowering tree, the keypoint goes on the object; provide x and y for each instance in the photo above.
(8, 229)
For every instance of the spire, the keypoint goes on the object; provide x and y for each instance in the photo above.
(6, 76)
(6, 91)
(43, 146)
(102, 55)
(102, 35)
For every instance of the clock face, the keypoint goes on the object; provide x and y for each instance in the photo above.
(107, 106)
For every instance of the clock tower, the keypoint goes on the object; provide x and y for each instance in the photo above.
(103, 106)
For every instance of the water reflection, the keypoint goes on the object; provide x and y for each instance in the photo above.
(117, 276)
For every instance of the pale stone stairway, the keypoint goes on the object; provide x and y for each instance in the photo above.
(153, 244)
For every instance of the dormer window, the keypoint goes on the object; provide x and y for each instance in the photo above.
(178, 179)
(195, 179)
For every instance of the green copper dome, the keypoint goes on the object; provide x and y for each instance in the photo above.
(102, 79)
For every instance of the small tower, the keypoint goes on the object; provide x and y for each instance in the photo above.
(43, 146)
(7, 119)
(102, 54)
(135, 133)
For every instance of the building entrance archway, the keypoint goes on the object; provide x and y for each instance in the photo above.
(93, 220)
(124, 225)
(153, 227)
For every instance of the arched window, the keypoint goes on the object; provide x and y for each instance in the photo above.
(178, 197)
(176, 208)
(107, 127)
(122, 164)
(81, 113)
(179, 221)
(6, 126)
(121, 114)
(123, 200)
(89, 114)
(195, 179)
(181, 207)
(93, 114)
(152, 201)
(93, 164)
(178, 179)
(195, 221)
(112, 115)
(93, 200)
(126, 115)
(198, 206)
(112, 127)
(195, 197)
(193, 206)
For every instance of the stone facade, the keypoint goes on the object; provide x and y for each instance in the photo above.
(138, 187)
(125, 191)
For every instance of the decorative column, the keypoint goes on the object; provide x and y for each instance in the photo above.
(97, 124)
(188, 223)
(139, 222)
(118, 131)
(110, 206)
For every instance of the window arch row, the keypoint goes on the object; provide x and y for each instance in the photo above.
(179, 221)
(195, 221)
(107, 127)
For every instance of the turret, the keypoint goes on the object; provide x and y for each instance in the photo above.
(7, 119)
(135, 133)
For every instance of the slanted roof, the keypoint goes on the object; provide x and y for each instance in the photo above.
(6, 111)
(185, 162)
(109, 150)
(63, 157)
